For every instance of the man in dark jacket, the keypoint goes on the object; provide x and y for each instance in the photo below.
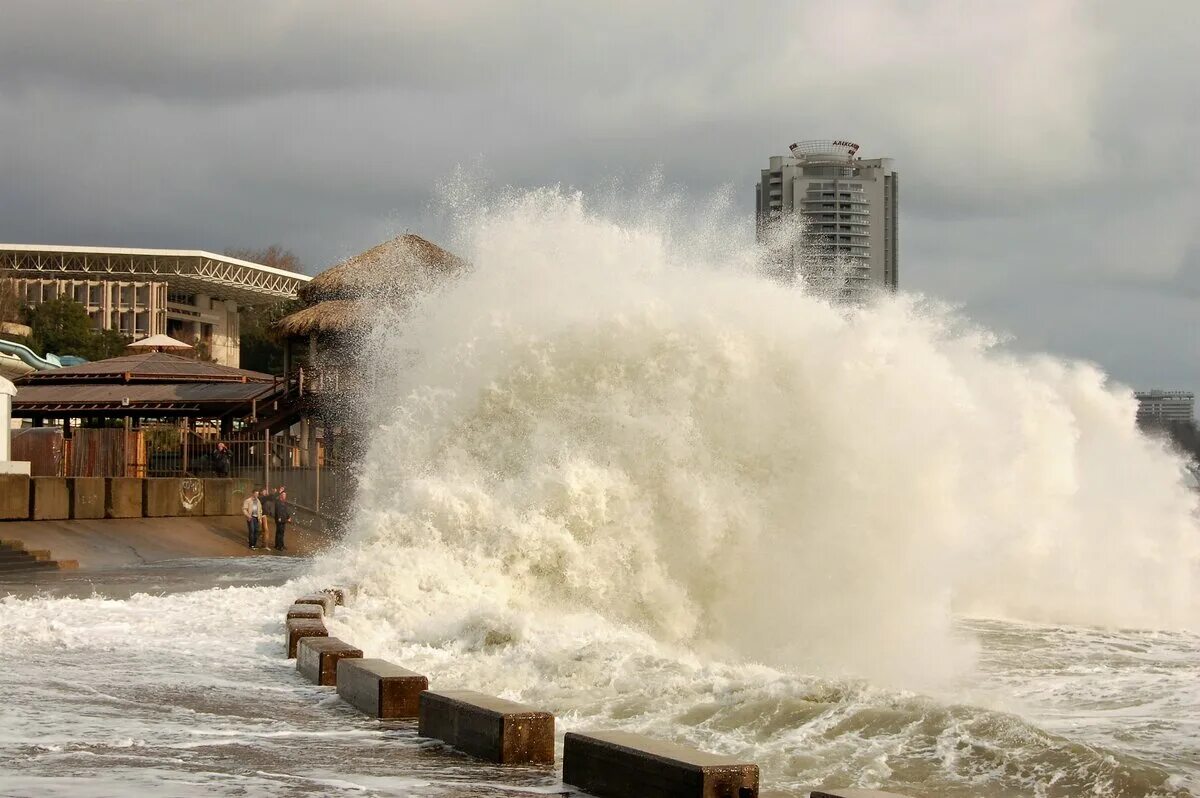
(221, 460)
(283, 514)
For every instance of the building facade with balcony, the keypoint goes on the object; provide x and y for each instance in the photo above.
(830, 217)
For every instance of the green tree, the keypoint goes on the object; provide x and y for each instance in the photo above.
(201, 350)
(10, 302)
(108, 343)
(62, 326)
(274, 256)
(261, 350)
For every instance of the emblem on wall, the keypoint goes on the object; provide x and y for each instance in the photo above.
(191, 493)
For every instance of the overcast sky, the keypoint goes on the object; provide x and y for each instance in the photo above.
(1048, 149)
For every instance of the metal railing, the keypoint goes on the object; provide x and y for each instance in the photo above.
(319, 474)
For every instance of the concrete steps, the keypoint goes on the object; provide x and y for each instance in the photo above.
(14, 558)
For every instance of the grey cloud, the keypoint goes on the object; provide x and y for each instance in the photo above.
(1044, 146)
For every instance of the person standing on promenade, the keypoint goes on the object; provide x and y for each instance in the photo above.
(221, 460)
(283, 514)
(267, 497)
(252, 509)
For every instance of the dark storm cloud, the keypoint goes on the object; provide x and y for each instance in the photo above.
(1048, 182)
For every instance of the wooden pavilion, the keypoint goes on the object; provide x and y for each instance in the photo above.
(150, 390)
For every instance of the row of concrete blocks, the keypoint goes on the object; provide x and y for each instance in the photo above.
(606, 764)
(59, 498)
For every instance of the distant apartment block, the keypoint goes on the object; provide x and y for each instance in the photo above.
(1165, 406)
(846, 208)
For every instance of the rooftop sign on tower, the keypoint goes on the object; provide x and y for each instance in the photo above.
(837, 148)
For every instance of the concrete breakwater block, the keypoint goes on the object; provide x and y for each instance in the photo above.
(487, 727)
(614, 764)
(380, 689)
(847, 792)
(300, 628)
(317, 658)
(323, 600)
(305, 611)
(338, 593)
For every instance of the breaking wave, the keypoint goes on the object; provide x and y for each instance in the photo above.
(616, 470)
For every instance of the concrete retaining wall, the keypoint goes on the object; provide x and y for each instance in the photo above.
(218, 498)
(51, 499)
(172, 497)
(14, 497)
(160, 498)
(87, 497)
(59, 498)
(123, 497)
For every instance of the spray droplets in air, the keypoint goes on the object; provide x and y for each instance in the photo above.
(618, 418)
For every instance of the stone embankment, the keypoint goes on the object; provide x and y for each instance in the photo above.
(603, 763)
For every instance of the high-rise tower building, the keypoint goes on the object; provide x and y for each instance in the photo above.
(846, 208)
(1165, 406)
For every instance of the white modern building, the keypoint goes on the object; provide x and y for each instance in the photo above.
(190, 295)
(831, 216)
(1165, 406)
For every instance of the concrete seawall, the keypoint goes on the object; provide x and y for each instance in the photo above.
(56, 498)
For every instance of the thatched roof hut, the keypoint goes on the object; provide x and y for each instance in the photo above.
(405, 263)
(338, 300)
(333, 316)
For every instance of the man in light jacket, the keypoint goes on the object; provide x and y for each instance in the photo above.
(252, 509)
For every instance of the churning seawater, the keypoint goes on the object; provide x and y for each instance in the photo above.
(615, 473)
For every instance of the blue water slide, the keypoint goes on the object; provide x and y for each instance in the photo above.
(26, 354)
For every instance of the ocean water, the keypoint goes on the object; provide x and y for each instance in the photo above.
(184, 691)
(615, 473)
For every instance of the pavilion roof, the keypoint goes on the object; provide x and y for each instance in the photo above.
(145, 367)
(153, 383)
(166, 399)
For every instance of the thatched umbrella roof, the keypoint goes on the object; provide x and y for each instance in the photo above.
(160, 342)
(400, 266)
(339, 299)
(332, 316)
